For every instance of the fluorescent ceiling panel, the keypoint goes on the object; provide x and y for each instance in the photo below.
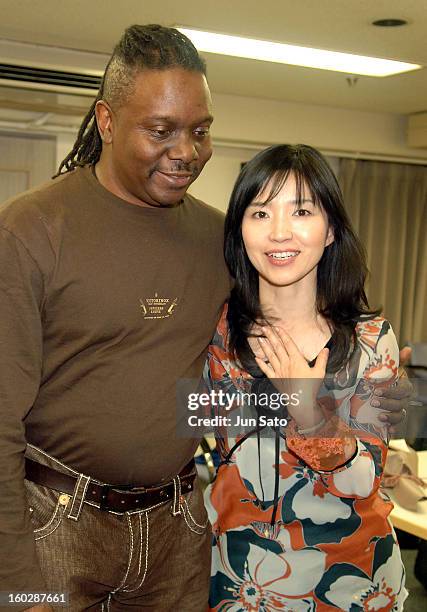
(267, 51)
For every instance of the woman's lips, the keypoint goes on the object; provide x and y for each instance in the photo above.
(282, 258)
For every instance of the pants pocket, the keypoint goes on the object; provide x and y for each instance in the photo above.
(47, 509)
(194, 511)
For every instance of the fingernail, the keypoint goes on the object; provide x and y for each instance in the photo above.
(383, 417)
(379, 392)
(375, 403)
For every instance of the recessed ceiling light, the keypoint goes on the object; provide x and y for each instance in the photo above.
(389, 23)
(264, 50)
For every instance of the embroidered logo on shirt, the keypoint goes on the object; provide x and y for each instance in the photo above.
(157, 307)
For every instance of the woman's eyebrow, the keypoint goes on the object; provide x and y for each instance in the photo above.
(301, 201)
(257, 204)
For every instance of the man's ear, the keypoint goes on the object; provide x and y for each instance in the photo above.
(104, 120)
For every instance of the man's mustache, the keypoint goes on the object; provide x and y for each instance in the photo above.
(179, 167)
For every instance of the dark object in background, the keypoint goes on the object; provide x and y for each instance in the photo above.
(420, 567)
(409, 541)
(417, 438)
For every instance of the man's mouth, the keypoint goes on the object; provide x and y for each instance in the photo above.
(177, 179)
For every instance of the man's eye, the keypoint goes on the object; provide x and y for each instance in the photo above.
(160, 132)
(201, 132)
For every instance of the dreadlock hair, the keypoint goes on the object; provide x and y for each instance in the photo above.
(151, 47)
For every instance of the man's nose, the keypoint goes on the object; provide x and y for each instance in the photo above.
(183, 148)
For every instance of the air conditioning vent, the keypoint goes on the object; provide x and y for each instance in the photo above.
(46, 79)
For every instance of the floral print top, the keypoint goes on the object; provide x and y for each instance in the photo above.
(331, 546)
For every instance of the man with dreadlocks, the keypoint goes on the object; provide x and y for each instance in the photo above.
(112, 285)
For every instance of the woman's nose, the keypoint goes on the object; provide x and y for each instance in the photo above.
(281, 229)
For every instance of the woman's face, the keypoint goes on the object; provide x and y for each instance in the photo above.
(285, 241)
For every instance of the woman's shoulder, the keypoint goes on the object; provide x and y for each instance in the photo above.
(378, 343)
(372, 328)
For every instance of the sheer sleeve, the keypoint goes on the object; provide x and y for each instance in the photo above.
(360, 475)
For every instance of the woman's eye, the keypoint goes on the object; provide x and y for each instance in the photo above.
(260, 214)
(302, 212)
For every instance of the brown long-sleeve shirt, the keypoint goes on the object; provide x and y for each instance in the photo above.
(104, 305)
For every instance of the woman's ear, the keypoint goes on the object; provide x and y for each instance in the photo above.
(330, 236)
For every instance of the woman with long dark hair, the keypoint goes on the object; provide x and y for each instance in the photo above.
(298, 519)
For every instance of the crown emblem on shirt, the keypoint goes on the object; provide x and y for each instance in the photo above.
(158, 307)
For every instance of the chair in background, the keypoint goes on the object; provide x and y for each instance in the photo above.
(416, 428)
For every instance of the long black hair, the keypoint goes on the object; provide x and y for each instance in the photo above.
(341, 271)
(141, 47)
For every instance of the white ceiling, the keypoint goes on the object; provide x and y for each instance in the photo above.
(340, 25)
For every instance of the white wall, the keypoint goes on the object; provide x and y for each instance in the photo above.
(215, 183)
(253, 120)
(64, 144)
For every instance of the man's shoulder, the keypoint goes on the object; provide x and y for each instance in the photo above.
(210, 212)
(37, 203)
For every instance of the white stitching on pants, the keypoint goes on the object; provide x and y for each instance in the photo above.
(140, 553)
(76, 489)
(123, 582)
(83, 495)
(192, 517)
(140, 544)
(200, 530)
(52, 530)
(131, 512)
(176, 508)
(66, 467)
(39, 450)
(71, 514)
(51, 520)
(150, 508)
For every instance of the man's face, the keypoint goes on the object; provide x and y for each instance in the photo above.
(157, 142)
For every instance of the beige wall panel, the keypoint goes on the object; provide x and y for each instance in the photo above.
(24, 163)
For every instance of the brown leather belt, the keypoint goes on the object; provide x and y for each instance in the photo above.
(112, 498)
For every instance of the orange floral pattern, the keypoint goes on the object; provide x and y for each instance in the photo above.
(332, 546)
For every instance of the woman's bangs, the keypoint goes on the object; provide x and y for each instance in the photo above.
(271, 185)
